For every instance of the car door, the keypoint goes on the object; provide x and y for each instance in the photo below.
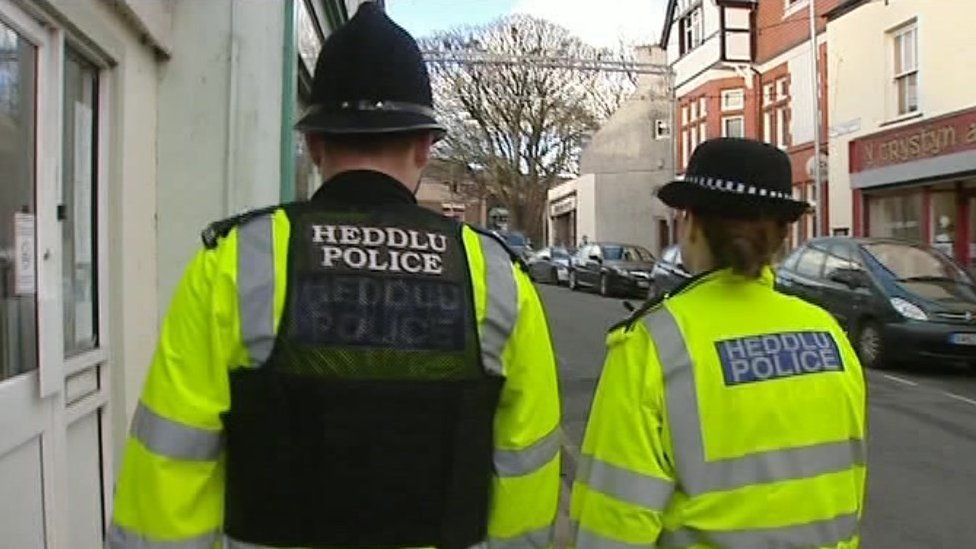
(539, 265)
(593, 266)
(839, 297)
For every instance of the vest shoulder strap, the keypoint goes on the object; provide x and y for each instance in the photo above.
(516, 258)
(217, 230)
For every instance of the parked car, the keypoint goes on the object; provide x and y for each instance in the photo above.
(897, 300)
(517, 242)
(668, 272)
(550, 265)
(612, 268)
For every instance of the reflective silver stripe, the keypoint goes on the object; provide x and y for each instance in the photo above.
(118, 537)
(173, 439)
(822, 533)
(516, 463)
(586, 539)
(698, 476)
(501, 304)
(230, 543)
(537, 538)
(256, 287)
(636, 488)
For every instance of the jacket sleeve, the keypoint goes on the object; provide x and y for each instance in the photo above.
(170, 490)
(624, 477)
(527, 439)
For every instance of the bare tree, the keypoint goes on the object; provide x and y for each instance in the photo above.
(520, 127)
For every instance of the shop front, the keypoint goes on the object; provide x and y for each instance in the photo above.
(562, 220)
(918, 183)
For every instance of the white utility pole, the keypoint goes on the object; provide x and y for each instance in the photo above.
(815, 70)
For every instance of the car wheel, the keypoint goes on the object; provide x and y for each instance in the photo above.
(604, 286)
(870, 345)
(572, 281)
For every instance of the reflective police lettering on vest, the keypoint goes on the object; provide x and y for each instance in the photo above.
(772, 356)
(380, 249)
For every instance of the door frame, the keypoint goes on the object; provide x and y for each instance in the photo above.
(47, 393)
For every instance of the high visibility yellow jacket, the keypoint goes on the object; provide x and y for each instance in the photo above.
(728, 415)
(171, 485)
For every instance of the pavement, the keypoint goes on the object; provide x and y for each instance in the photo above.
(922, 431)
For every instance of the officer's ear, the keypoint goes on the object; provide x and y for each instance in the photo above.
(316, 147)
(422, 144)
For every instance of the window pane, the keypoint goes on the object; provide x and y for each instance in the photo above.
(899, 53)
(702, 132)
(702, 106)
(694, 110)
(732, 127)
(18, 309)
(78, 230)
(896, 216)
(811, 263)
(910, 59)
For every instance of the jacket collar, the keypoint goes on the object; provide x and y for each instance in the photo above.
(363, 187)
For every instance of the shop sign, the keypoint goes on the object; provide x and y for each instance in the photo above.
(933, 138)
(562, 206)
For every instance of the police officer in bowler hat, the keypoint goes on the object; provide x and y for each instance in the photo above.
(727, 414)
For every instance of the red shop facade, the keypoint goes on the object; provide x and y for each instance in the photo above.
(918, 182)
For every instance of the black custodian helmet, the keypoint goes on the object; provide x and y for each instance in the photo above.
(370, 78)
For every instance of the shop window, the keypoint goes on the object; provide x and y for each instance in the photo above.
(702, 106)
(733, 126)
(733, 100)
(684, 114)
(905, 43)
(943, 222)
(702, 132)
(685, 147)
(79, 184)
(896, 216)
(694, 111)
(768, 127)
(18, 99)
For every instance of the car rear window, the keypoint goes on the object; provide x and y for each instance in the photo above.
(626, 253)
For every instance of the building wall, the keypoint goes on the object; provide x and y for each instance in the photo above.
(220, 122)
(860, 97)
(781, 28)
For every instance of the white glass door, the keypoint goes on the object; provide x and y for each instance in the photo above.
(29, 258)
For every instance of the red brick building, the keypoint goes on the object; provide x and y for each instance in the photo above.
(743, 68)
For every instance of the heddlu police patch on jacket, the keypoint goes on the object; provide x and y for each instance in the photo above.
(774, 356)
(364, 282)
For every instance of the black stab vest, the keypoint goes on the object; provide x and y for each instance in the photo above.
(371, 423)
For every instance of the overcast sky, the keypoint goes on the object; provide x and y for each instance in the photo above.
(601, 23)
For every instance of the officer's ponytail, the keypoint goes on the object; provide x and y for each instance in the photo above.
(744, 245)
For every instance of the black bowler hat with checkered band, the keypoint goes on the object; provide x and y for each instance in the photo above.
(738, 178)
(370, 78)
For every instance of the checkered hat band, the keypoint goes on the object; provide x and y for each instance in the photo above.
(734, 187)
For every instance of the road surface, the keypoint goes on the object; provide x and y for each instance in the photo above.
(922, 431)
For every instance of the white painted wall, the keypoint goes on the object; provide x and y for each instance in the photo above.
(860, 83)
(801, 96)
(220, 122)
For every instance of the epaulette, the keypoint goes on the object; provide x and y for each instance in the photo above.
(657, 300)
(516, 258)
(639, 312)
(219, 229)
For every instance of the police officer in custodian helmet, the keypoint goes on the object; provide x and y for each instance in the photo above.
(727, 414)
(352, 370)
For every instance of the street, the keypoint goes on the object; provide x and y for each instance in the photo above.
(922, 430)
